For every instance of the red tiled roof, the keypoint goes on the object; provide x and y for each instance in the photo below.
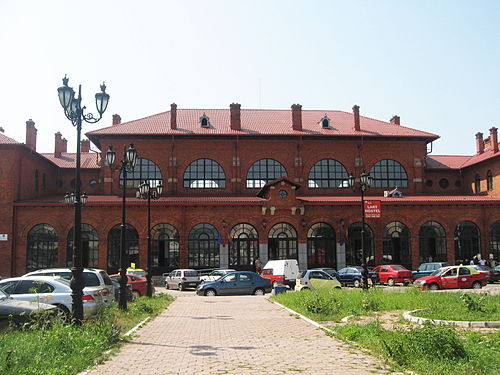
(425, 199)
(4, 140)
(445, 161)
(67, 160)
(488, 154)
(259, 122)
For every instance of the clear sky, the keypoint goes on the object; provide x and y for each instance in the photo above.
(433, 63)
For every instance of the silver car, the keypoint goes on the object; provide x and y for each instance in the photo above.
(182, 279)
(53, 291)
(214, 275)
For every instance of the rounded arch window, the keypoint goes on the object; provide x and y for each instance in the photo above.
(243, 246)
(204, 174)
(477, 184)
(396, 244)
(131, 247)
(90, 246)
(164, 248)
(203, 246)
(467, 242)
(282, 242)
(495, 240)
(321, 246)
(432, 240)
(328, 173)
(144, 169)
(444, 183)
(43, 246)
(388, 173)
(354, 248)
(489, 180)
(263, 171)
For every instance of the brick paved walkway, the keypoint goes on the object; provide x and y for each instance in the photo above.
(234, 335)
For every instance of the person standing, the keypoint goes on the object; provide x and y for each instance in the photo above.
(258, 266)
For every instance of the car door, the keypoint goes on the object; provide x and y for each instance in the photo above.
(342, 275)
(169, 279)
(228, 285)
(34, 291)
(464, 277)
(377, 270)
(449, 280)
(246, 284)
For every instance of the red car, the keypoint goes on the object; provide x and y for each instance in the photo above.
(138, 284)
(393, 273)
(453, 277)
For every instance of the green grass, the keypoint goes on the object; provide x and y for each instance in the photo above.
(333, 305)
(64, 349)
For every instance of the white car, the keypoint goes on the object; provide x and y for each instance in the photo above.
(182, 279)
(214, 275)
(51, 290)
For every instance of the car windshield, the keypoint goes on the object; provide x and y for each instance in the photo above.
(303, 273)
(3, 294)
(439, 272)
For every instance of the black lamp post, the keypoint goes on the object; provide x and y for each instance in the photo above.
(365, 181)
(127, 164)
(146, 192)
(76, 114)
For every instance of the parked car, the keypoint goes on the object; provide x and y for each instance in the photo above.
(53, 291)
(353, 275)
(453, 277)
(491, 274)
(331, 271)
(283, 271)
(21, 311)
(92, 277)
(182, 279)
(315, 279)
(136, 271)
(214, 275)
(243, 282)
(425, 269)
(128, 291)
(391, 274)
(138, 284)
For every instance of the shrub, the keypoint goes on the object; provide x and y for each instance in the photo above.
(472, 302)
(317, 303)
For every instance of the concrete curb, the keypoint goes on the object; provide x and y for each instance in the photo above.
(460, 323)
(312, 322)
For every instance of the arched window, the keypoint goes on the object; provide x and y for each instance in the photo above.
(263, 171)
(243, 246)
(164, 248)
(397, 244)
(282, 242)
(354, 253)
(144, 169)
(328, 173)
(90, 247)
(204, 174)
(432, 239)
(43, 246)
(388, 173)
(467, 242)
(36, 180)
(44, 183)
(489, 180)
(131, 247)
(495, 240)
(203, 246)
(477, 184)
(321, 246)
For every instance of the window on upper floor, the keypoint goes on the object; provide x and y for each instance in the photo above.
(36, 180)
(328, 173)
(204, 174)
(263, 171)
(325, 122)
(477, 184)
(489, 180)
(144, 169)
(388, 173)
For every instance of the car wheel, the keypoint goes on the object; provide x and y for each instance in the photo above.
(181, 287)
(356, 283)
(135, 294)
(63, 309)
(433, 287)
(390, 282)
(259, 292)
(476, 285)
(166, 285)
(210, 293)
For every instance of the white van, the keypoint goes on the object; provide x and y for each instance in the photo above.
(283, 271)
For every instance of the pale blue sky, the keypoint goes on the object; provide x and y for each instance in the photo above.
(434, 63)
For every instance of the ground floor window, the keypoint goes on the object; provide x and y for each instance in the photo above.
(203, 247)
(243, 247)
(43, 246)
(495, 241)
(282, 242)
(164, 248)
(432, 240)
(467, 242)
(90, 247)
(396, 241)
(354, 252)
(114, 246)
(321, 246)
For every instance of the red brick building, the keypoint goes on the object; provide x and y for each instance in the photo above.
(245, 183)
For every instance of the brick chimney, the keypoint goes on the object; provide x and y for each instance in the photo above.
(479, 143)
(31, 134)
(235, 116)
(173, 116)
(85, 145)
(117, 120)
(355, 111)
(296, 117)
(395, 120)
(61, 145)
(494, 139)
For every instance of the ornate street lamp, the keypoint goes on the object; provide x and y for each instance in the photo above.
(365, 181)
(127, 165)
(74, 112)
(146, 192)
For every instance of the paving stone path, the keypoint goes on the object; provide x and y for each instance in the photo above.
(234, 335)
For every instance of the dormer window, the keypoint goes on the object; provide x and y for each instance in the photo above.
(204, 121)
(325, 122)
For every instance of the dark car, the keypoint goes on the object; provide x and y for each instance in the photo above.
(21, 311)
(331, 271)
(353, 275)
(244, 282)
(491, 273)
(425, 269)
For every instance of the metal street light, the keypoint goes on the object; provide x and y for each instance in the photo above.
(74, 112)
(365, 181)
(146, 192)
(127, 165)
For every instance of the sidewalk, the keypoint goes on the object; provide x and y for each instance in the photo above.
(234, 335)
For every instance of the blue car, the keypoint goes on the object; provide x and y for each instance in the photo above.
(353, 275)
(243, 282)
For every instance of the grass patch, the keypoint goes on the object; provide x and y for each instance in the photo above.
(64, 349)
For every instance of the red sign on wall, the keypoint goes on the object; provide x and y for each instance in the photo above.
(373, 210)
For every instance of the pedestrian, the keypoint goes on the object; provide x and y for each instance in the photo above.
(258, 265)
(482, 262)
(473, 260)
